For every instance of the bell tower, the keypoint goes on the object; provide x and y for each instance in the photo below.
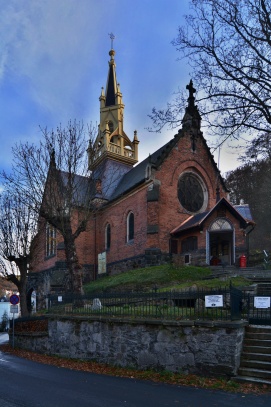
(112, 143)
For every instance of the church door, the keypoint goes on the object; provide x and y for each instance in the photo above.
(220, 241)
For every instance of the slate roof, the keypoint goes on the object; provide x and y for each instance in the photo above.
(136, 175)
(83, 187)
(190, 223)
(244, 211)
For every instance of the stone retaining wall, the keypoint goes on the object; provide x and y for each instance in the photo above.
(189, 347)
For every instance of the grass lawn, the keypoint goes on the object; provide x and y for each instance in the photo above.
(164, 277)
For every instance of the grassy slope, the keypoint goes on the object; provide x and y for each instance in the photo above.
(162, 277)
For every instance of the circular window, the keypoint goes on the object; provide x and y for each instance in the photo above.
(190, 192)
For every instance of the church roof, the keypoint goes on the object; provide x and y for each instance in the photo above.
(137, 174)
(244, 210)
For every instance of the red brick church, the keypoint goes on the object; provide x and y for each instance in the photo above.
(172, 204)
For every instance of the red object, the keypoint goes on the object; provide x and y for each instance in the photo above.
(243, 261)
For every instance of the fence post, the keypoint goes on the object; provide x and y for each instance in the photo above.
(236, 303)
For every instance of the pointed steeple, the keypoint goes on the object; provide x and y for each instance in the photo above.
(112, 142)
(111, 88)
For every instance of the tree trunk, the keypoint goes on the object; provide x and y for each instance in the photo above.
(74, 282)
(21, 283)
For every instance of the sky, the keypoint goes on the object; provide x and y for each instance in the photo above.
(54, 61)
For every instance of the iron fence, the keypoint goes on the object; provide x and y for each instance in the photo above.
(215, 304)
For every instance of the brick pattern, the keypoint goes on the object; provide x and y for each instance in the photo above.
(157, 211)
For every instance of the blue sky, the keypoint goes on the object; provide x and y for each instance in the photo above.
(54, 61)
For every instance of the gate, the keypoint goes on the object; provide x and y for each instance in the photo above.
(236, 296)
(258, 316)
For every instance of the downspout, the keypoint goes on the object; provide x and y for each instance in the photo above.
(247, 241)
(95, 248)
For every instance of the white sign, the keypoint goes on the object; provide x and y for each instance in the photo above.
(59, 298)
(102, 263)
(262, 302)
(213, 301)
(14, 309)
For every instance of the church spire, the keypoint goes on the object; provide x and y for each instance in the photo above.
(112, 142)
(111, 88)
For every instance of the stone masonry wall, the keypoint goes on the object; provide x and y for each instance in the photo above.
(188, 347)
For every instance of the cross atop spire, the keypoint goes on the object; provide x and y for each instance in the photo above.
(112, 37)
(191, 90)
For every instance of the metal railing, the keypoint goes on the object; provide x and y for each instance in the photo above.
(215, 304)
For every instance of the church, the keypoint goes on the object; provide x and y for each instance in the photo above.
(172, 206)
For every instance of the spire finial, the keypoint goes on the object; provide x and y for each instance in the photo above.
(112, 37)
(191, 90)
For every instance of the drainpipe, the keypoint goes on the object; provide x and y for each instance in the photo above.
(95, 247)
(247, 241)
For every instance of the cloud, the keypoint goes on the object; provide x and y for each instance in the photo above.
(50, 44)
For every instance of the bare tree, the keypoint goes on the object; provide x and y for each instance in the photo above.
(55, 180)
(251, 183)
(18, 226)
(227, 43)
(259, 149)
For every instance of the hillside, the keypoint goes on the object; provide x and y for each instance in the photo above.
(162, 277)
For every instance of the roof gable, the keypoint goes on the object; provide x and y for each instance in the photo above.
(197, 221)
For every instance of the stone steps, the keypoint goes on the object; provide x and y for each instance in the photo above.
(252, 372)
(266, 343)
(256, 356)
(255, 366)
(255, 349)
(249, 379)
(259, 336)
(256, 274)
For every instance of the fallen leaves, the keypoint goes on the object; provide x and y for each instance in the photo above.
(159, 377)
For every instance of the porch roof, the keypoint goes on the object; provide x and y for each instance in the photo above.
(240, 212)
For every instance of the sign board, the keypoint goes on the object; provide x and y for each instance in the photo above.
(102, 263)
(14, 309)
(59, 298)
(14, 299)
(213, 301)
(262, 302)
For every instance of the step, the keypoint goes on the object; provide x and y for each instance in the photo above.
(257, 342)
(248, 379)
(250, 372)
(255, 364)
(266, 357)
(258, 329)
(256, 349)
(260, 336)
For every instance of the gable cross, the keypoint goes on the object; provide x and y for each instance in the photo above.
(191, 90)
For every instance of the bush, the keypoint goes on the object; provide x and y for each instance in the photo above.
(4, 322)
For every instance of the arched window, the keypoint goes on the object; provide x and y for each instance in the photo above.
(220, 224)
(110, 126)
(50, 240)
(130, 227)
(107, 237)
